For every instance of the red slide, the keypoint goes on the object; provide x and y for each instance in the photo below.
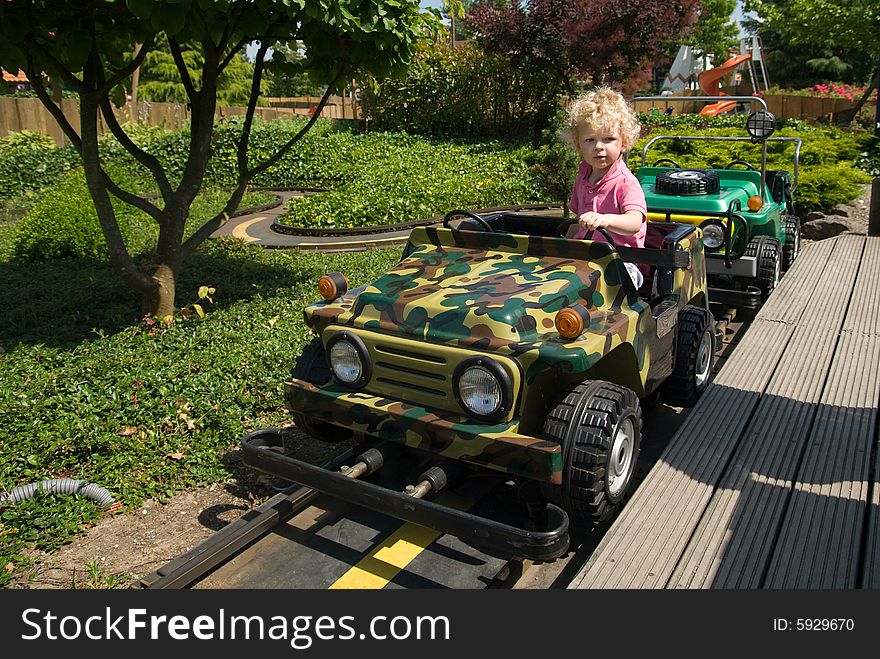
(709, 83)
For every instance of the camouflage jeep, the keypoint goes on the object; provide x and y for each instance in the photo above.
(500, 344)
(750, 232)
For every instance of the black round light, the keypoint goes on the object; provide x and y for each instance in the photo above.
(761, 125)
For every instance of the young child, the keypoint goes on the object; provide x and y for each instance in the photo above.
(601, 127)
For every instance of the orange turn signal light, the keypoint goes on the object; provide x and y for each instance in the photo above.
(755, 203)
(571, 321)
(333, 285)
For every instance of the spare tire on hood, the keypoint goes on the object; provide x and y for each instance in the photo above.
(688, 182)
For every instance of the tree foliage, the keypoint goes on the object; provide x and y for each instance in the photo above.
(715, 31)
(809, 41)
(602, 41)
(160, 79)
(87, 45)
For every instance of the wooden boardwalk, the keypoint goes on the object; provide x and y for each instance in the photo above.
(771, 482)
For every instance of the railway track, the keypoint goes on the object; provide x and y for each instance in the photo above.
(300, 538)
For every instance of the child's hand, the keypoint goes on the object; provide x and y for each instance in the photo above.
(592, 220)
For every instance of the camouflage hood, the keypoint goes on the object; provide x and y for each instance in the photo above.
(482, 290)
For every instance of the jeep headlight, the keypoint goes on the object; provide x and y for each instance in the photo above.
(483, 388)
(480, 391)
(713, 234)
(349, 359)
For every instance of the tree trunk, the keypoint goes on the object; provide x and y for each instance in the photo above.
(159, 298)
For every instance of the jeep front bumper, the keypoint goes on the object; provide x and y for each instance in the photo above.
(744, 266)
(482, 532)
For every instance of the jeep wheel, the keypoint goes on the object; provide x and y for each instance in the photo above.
(792, 245)
(694, 354)
(312, 366)
(599, 426)
(767, 251)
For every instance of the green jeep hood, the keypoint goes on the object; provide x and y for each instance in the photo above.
(487, 290)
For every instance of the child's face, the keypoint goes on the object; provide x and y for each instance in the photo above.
(600, 147)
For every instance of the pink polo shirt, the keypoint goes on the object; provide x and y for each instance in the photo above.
(618, 191)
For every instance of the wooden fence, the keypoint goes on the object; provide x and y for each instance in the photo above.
(18, 114)
(783, 106)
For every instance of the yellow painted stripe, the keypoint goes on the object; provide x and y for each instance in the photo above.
(398, 550)
(241, 230)
(355, 243)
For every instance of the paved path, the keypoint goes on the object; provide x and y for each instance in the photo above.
(257, 228)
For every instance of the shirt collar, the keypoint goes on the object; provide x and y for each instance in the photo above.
(613, 172)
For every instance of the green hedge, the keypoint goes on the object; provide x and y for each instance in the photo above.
(30, 162)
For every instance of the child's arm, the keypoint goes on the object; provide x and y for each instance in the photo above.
(626, 224)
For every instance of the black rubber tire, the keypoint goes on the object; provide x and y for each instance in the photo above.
(586, 423)
(768, 251)
(688, 182)
(691, 370)
(312, 366)
(792, 246)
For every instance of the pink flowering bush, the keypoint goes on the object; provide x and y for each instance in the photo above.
(837, 90)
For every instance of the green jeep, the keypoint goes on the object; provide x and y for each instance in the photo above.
(499, 346)
(750, 232)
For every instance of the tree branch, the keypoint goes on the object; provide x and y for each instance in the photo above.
(127, 70)
(231, 25)
(36, 79)
(146, 159)
(249, 113)
(289, 144)
(232, 53)
(181, 67)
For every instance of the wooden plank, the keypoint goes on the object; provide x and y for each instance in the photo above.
(864, 312)
(643, 546)
(821, 536)
(732, 545)
(871, 573)
(797, 289)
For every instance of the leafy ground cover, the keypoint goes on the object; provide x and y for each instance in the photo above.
(89, 390)
(394, 177)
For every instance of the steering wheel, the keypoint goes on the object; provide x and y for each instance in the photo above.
(562, 229)
(740, 162)
(458, 213)
(669, 160)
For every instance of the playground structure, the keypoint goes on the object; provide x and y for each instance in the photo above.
(688, 71)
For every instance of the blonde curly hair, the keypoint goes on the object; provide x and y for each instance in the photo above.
(602, 108)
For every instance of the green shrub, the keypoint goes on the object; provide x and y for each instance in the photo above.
(64, 223)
